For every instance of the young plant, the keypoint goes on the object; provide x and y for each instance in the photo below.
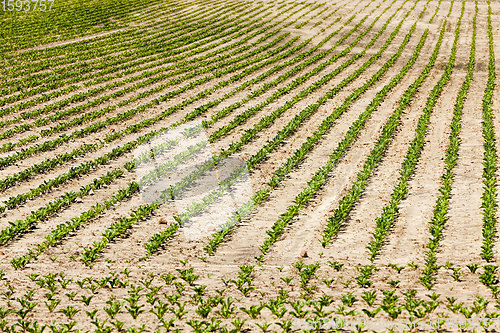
(86, 299)
(113, 308)
(52, 304)
(396, 267)
(369, 297)
(473, 268)
(336, 265)
(227, 308)
(254, 310)
(69, 311)
(348, 299)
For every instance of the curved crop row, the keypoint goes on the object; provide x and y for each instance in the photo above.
(319, 178)
(176, 30)
(94, 127)
(21, 31)
(49, 145)
(85, 168)
(228, 109)
(43, 213)
(67, 54)
(213, 30)
(107, 68)
(159, 58)
(390, 211)
(490, 158)
(91, 253)
(158, 239)
(242, 117)
(440, 211)
(347, 203)
(149, 81)
(63, 229)
(48, 164)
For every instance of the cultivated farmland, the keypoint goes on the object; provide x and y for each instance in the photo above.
(249, 166)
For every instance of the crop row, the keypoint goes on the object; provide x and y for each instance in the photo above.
(63, 229)
(179, 298)
(105, 98)
(158, 239)
(489, 196)
(176, 18)
(390, 210)
(85, 168)
(59, 160)
(153, 42)
(440, 212)
(29, 29)
(43, 213)
(320, 177)
(148, 122)
(62, 54)
(159, 58)
(114, 153)
(299, 155)
(59, 72)
(269, 85)
(219, 24)
(149, 81)
(347, 202)
(242, 117)
(227, 110)
(300, 25)
(254, 161)
(51, 144)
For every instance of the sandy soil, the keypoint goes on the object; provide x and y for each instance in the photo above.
(121, 267)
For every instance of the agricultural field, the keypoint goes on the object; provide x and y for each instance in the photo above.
(249, 166)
